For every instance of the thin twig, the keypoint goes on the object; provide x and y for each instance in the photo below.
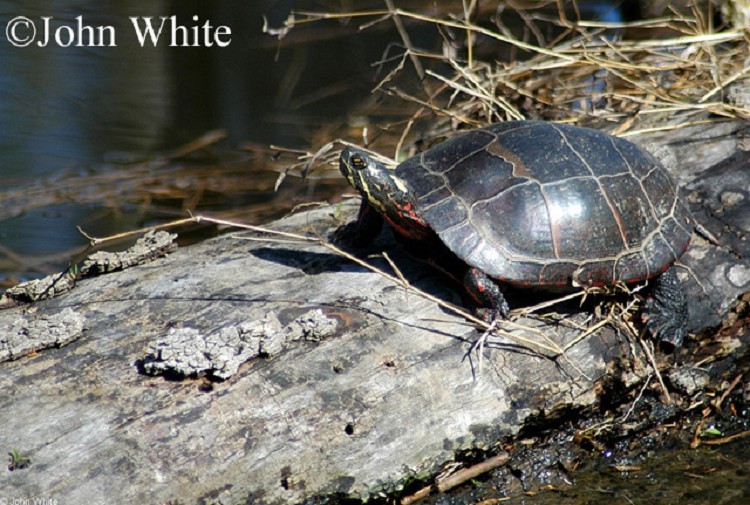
(732, 385)
(457, 478)
(650, 355)
(637, 398)
(407, 41)
(726, 440)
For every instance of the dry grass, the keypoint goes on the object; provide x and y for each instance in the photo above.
(680, 70)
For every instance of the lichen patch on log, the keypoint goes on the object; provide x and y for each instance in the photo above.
(38, 289)
(31, 332)
(154, 244)
(187, 352)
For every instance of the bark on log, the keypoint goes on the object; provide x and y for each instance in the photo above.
(392, 390)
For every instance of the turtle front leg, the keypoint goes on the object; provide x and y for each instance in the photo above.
(363, 231)
(666, 311)
(487, 293)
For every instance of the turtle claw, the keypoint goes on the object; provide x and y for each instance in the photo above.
(666, 312)
(663, 327)
(489, 296)
(492, 315)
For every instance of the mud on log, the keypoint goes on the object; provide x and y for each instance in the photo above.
(337, 380)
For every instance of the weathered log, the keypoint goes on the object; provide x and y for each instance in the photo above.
(391, 388)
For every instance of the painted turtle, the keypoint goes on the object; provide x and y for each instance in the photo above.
(536, 204)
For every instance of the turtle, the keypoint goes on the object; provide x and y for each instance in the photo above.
(535, 204)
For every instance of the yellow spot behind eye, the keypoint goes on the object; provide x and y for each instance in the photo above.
(401, 185)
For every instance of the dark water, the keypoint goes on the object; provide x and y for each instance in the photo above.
(87, 91)
(63, 106)
(76, 105)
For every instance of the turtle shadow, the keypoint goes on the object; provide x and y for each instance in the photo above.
(317, 263)
(398, 263)
(308, 262)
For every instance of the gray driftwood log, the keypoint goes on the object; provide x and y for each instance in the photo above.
(337, 380)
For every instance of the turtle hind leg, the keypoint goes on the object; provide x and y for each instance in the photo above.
(666, 312)
(487, 293)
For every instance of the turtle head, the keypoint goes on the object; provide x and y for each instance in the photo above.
(383, 190)
(374, 180)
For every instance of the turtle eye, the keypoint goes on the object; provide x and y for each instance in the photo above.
(358, 162)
